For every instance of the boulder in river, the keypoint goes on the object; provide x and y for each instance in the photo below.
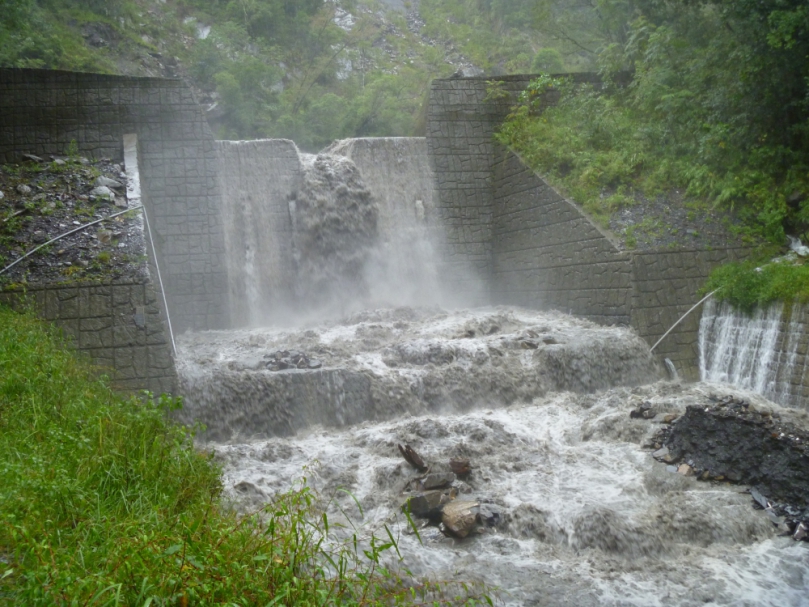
(460, 517)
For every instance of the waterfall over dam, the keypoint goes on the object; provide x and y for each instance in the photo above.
(328, 233)
(356, 256)
(351, 346)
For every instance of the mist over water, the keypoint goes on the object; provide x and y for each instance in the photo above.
(313, 236)
(336, 265)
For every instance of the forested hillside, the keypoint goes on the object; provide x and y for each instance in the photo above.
(717, 108)
(310, 70)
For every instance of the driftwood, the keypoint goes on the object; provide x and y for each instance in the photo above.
(412, 458)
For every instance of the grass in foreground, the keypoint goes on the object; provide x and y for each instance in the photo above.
(103, 501)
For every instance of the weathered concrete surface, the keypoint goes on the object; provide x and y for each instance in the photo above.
(118, 325)
(532, 247)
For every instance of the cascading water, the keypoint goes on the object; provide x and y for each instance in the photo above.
(758, 352)
(538, 402)
(313, 236)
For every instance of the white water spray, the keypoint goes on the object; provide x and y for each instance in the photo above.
(758, 352)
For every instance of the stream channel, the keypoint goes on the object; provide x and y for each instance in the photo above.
(540, 403)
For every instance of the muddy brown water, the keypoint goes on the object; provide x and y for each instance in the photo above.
(539, 402)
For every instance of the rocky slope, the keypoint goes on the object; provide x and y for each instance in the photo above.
(41, 199)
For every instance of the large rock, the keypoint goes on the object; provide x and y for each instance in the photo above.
(460, 517)
(428, 504)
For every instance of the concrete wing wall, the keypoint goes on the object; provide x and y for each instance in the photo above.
(546, 253)
(45, 112)
(117, 325)
(536, 249)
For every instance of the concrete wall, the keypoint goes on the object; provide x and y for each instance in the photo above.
(117, 325)
(665, 285)
(258, 180)
(42, 112)
(535, 248)
(546, 253)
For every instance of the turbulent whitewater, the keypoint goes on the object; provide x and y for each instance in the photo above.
(539, 403)
(763, 351)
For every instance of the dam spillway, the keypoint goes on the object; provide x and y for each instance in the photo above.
(764, 351)
(328, 233)
(367, 352)
(591, 519)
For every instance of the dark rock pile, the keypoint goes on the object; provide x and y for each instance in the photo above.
(434, 497)
(728, 439)
(291, 359)
(44, 198)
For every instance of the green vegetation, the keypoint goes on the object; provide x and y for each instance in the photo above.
(103, 501)
(748, 285)
(278, 68)
(718, 107)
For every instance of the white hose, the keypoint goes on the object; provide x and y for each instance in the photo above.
(694, 307)
(74, 230)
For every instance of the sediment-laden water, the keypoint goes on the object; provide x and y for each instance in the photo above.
(540, 405)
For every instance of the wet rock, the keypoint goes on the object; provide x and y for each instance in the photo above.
(437, 480)
(32, 157)
(662, 455)
(758, 498)
(428, 504)
(411, 457)
(730, 439)
(667, 419)
(685, 470)
(247, 488)
(291, 359)
(460, 466)
(549, 341)
(459, 517)
(644, 411)
(734, 441)
(489, 515)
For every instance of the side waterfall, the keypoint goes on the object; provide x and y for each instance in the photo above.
(765, 352)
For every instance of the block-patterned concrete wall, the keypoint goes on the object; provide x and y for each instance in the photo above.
(43, 112)
(793, 344)
(117, 325)
(536, 249)
(461, 123)
(546, 253)
(665, 285)
(258, 180)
